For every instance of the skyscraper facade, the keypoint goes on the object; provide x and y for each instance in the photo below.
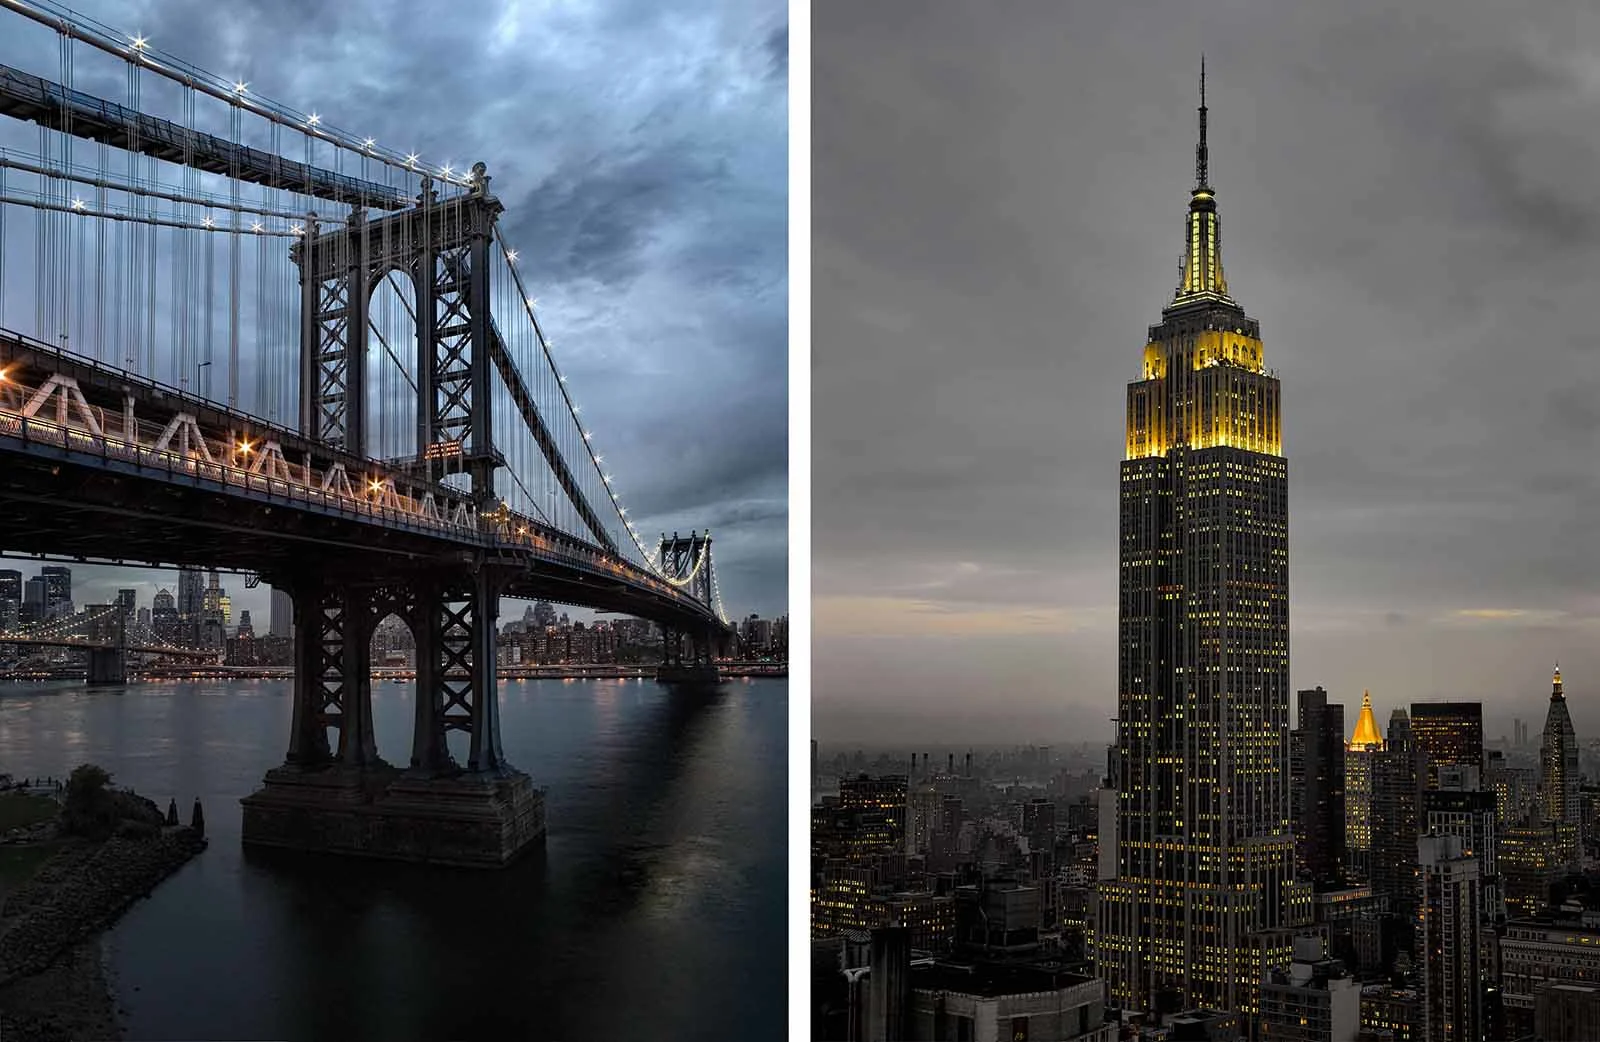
(1452, 936)
(10, 598)
(57, 590)
(1399, 778)
(1319, 831)
(1558, 765)
(191, 604)
(1450, 734)
(1204, 894)
(1359, 756)
(281, 619)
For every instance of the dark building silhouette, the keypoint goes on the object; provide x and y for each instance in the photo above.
(1320, 827)
(1449, 733)
(1399, 774)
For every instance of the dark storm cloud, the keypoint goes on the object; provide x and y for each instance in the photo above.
(640, 149)
(1407, 206)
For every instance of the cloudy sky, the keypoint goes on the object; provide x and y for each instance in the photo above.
(1408, 207)
(640, 149)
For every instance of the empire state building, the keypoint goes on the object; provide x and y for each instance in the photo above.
(1204, 900)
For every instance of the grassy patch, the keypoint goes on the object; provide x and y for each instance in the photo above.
(19, 809)
(18, 864)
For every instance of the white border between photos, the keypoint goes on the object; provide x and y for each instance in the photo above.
(799, 517)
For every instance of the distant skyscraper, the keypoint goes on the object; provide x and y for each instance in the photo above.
(1205, 893)
(1359, 755)
(34, 598)
(281, 619)
(1399, 775)
(247, 631)
(1320, 831)
(1470, 818)
(10, 598)
(57, 590)
(1558, 763)
(887, 795)
(544, 615)
(128, 601)
(1450, 733)
(1451, 938)
(191, 604)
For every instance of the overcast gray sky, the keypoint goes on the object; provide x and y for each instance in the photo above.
(640, 149)
(1407, 202)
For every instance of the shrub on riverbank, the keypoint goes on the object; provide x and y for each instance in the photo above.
(94, 809)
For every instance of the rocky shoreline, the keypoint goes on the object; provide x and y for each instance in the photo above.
(52, 979)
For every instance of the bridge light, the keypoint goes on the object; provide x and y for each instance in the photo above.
(511, 255)
(313, 120)
(375, 485)
(238, 87)
(296, 229)
(445, 170)
(140, 43)
(245, 447)
(369, 142)
(78, 204)
(256, 226)
(208, 222)
(411, 159)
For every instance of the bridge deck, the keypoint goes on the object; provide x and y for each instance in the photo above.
(114, 495)
(37, 100)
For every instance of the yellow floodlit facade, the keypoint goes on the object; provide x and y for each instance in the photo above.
(1205, 899)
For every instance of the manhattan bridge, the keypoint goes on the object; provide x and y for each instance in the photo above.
(235, 336)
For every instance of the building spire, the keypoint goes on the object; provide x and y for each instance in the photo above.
(1202, 157)
(1556, 694)
(1366, 737)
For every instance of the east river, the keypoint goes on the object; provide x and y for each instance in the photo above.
(654, 910)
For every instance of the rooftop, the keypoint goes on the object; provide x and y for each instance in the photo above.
(992, 979)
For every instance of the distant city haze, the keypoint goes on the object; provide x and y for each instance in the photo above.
(998, 213)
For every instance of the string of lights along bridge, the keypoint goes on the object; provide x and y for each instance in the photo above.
(235, 335)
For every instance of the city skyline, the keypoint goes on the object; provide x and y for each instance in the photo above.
(1439, 477)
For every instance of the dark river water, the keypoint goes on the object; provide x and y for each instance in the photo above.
(655, 910)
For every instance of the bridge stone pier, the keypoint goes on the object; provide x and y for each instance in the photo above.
(338, 796)
(107, 666)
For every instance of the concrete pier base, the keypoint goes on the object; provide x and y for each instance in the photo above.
(688, 674)
(107, 666)
(469, 820)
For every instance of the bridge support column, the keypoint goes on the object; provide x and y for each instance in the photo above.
(485, 753)
(333, 676)
(429, 754)
(107, 666)
(353, 803)
(686, 658)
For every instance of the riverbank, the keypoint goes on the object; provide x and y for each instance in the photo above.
(53, 984)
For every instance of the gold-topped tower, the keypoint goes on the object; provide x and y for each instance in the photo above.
(1367, 736)
(1205, 900)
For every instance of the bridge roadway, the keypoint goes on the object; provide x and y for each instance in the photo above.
(99, 463)
(84, 644)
